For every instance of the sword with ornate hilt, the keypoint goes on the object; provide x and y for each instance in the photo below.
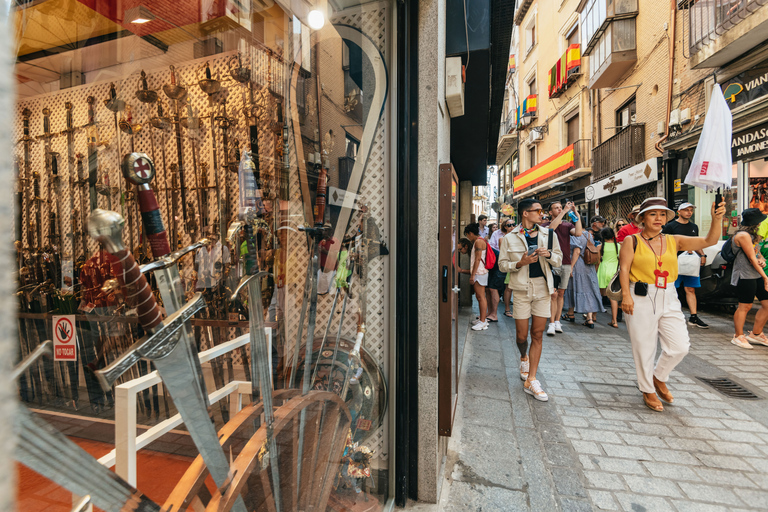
(165, 345)
(178, 93)
(49, 452)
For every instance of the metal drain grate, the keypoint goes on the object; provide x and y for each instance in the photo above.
(730, 388)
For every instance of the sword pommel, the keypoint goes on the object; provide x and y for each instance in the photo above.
(106, 227)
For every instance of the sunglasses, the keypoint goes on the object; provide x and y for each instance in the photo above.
(537, 210)
(509, 225)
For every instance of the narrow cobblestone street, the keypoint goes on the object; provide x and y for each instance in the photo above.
(594, 445)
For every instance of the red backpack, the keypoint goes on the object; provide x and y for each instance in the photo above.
(490, 256)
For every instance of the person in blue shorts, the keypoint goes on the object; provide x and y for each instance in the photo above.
(684, 226)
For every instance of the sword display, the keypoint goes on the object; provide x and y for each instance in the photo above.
(93, 155)
(49, 452)
(178, 93)
(164, 345)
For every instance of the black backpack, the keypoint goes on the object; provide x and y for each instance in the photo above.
(727, 251)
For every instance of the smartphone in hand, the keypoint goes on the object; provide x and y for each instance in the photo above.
(532, 249)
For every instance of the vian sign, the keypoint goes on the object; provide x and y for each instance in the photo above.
(746, 86)
(640, 174)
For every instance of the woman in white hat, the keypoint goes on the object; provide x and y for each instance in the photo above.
(648, 270)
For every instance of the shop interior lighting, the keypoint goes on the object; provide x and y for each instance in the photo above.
(316, 19)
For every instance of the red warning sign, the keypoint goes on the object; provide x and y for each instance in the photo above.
(64, 338)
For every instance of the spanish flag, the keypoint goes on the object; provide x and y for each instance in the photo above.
(573, 56)
(559, 162)
(511, 66)
(530, 104)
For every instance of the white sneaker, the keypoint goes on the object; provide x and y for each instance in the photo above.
(475, 321)
(480, 326)
(536, 391)
(558, 326)
(524, 367)
(759, 339)
(741, 341)
(551, 330)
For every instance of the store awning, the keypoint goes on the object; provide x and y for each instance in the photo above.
(559, 162)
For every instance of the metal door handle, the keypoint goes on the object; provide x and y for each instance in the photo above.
(456, 289)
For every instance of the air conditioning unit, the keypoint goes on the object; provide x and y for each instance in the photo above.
(685, 116)
(535, 137)
(674, 117)
(454, 86)
(660, 128)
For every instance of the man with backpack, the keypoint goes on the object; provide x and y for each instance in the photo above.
(684, 226)
(528, 254)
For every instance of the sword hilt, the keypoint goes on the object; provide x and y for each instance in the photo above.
(155, 345)
(107, 228)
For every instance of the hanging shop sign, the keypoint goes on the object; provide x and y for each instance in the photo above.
(559, 162)
(635, 176)
(565, 71)
(746, 86)
(750, 144)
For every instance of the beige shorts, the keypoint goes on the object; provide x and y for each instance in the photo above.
(564, 271)
(535, 304)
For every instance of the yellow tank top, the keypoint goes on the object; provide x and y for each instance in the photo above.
(645, 262)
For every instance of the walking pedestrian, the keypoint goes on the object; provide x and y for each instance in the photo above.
(630, 229)
(586, 290)
(648, 265)
(684, 226)
(620, 223)
(496, 277)
(478, 275)
(563, 229)
(525, 255)
(596, 224)
(482, 221)
(609, 264)
(750, 280)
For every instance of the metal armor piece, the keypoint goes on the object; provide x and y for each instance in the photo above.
(106, 227)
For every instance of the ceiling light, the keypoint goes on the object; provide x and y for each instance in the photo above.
(316, 19)
(138, 15)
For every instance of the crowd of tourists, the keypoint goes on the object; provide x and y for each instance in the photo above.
(553, 268)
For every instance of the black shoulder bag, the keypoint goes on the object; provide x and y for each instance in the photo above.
(555, 277)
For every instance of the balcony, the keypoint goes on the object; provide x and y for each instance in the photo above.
(722, 30)
(566, 71)
(621, 151)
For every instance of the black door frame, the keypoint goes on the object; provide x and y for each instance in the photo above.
(406, 255)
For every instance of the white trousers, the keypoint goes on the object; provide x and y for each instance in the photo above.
(657, 316)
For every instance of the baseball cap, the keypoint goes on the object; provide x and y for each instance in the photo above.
(685, 205)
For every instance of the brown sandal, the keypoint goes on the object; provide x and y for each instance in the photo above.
(615, 325)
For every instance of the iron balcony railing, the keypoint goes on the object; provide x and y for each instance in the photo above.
(709, 19)
(621, 151)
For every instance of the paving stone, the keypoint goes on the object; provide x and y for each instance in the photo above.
(626, 452)
(691, 506)
(492, 385)
(653, 486)
(464, 496)
(761, 479)
(603, 436)
(639, 440)
(642, 503)
(671, 471)
(649, 428)
(721, 461)
(710, 493)
(738, 436)
(490, 453)
(729, 448)
(586, 447)
(568, 482)
(625, 466)
(571, 421)
(572, 505)
(759, 464)
(603, 500)
(487, 411)
(724, 477)
(552, 433)
(602, 480)
(749, 426)
(690, 445)
(559, 454)
(673, 456)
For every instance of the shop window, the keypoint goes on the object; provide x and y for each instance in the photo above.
(626, 114)
(235, 143)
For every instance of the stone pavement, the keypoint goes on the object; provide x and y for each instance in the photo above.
(594, 445)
